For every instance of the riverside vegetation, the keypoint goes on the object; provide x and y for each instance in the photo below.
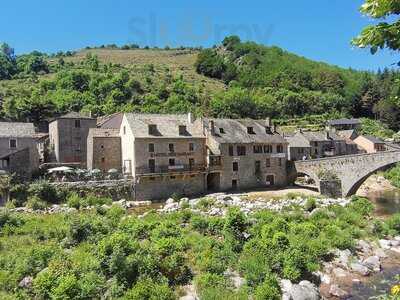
(101, 249)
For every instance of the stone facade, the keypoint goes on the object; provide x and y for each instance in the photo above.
(18, 148)
(104, 149)
(68, 138)
(244, 154)
(164, 153)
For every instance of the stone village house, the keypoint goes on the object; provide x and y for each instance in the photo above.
(19, 152)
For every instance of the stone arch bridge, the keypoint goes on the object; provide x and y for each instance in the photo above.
(348, 171)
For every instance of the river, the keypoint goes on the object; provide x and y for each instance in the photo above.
(386, 203)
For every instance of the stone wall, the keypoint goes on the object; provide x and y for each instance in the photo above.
(115, 189)
(104, 153)
(162, 187)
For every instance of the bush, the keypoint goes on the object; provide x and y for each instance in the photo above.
(311, 204)
(269, 289)
(148, 289)
(393, 224)
(74, 201)
(36, 203)
(44, 191)
(361, 205)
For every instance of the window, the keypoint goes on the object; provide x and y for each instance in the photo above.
(267, 148)
(182, 130)
(152, 165)
(171, 147)
(230, 150)
(234, 184)
(172, 161)
(152, 129)
(102, 146)
(124, 130)
(77, 123)
(235, 166)
(250, 130)
(257, 166)
(172, 177)
(268, 162)
(241, 150)
(221, 130)
(13, 143)
(191, 147)
(103, 159)
(151, 148)
(316, 151)
(279, 148)
(280, 162)
(191, 163)
(258, 149)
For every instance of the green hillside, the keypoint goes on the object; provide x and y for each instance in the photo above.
(235, 79)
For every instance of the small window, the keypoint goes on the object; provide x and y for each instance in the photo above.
(230, 150)
(191, 163)
(102, 146)
(241, 150)
(258, 149)
(151, 148)
(267, 148)
(13, 143)
(235, 166)
(250, 130)
(77, 123)
(257, 166)
(172, 161)
(124, 130)
(279, 148)
(191, 147)
(234, 184)
(221, 130)
(103, 159)
(171, 148)
(152, 129)
(268, 162)
(182, 130)
(172, 177)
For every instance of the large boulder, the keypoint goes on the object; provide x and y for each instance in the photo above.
(360, 269)
(305, 290)
(373, 263)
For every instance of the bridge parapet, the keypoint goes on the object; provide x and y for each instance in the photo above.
(351, 170)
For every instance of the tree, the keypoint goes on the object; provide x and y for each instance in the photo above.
(384, 34)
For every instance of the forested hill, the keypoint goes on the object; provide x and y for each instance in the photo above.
(234, 79)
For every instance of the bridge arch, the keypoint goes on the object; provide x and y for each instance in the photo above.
(350, 170)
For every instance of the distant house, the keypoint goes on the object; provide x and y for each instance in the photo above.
(370, 144)
(68, 138)
(350, 134)
(18, 148)
(165, 154)
(299, 147)
(326, 143)
(104, 149)
(344, 124)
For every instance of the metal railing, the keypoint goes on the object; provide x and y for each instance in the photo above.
(170, 169)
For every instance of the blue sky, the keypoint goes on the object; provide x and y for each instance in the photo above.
(320, 30)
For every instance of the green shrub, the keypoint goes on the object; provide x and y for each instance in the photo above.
(393, 224)
(44, 191)
(148, 289)
(74, 201)
(361, 205)
(269, 289)
(208, 283)
(311, 204)
(35, 203)
(234, 228)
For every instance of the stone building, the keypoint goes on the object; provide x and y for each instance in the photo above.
(299, 147)
(18, 148)
(244, 154)
(165, 154)
(344, 124)
(68, 138)
(326, 143)
(104, 149)
(370, 144)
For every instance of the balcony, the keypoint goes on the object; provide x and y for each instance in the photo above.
(177, 169)
(214, 163)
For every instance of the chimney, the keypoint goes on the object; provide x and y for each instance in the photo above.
(211, 127)
(190, 118)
